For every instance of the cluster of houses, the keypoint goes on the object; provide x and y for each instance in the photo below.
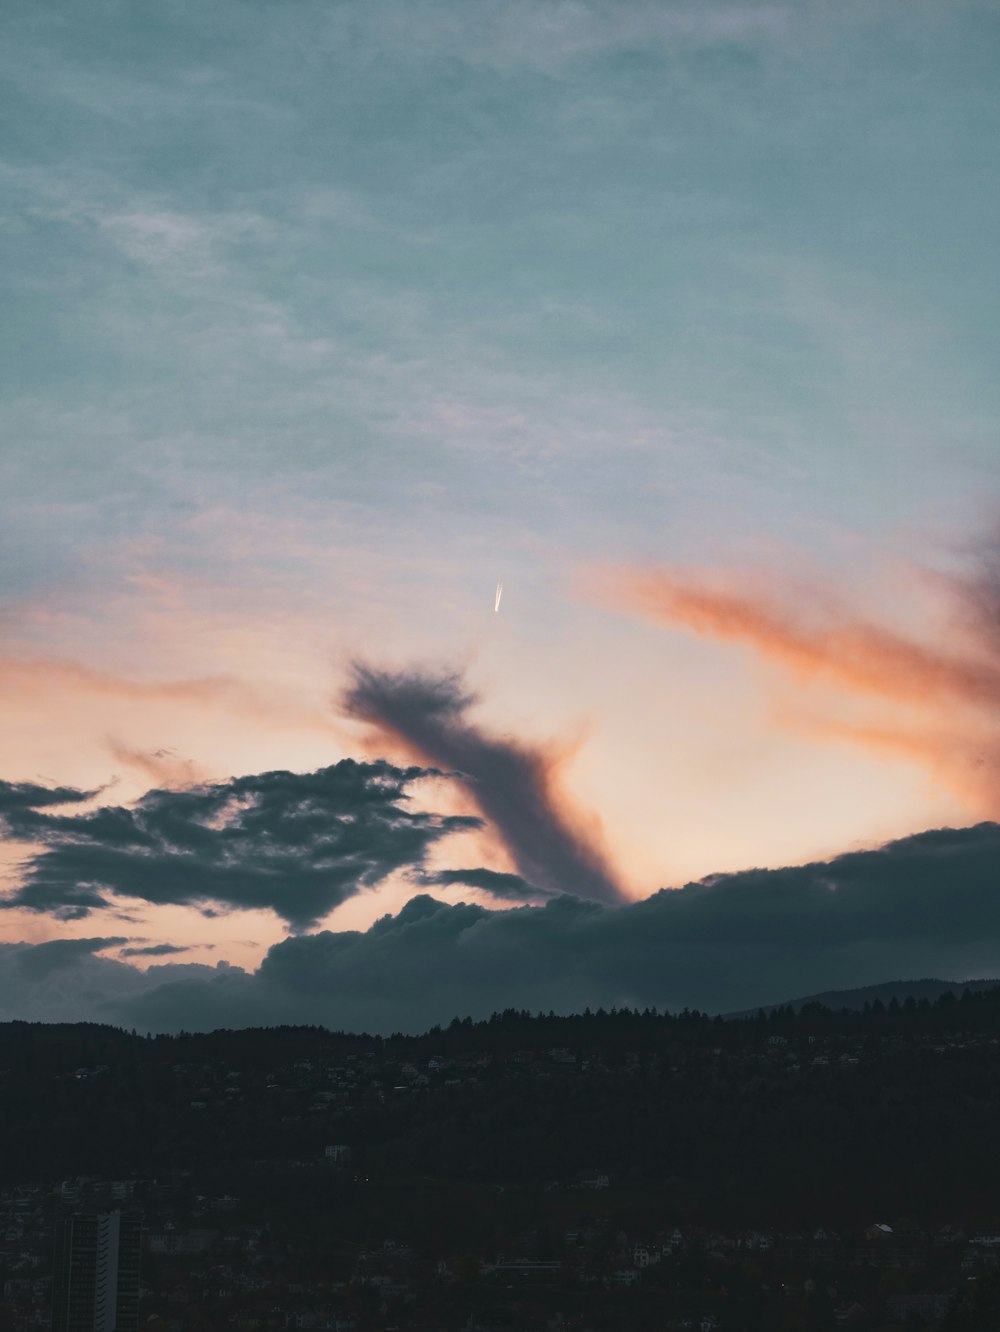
(212, 1260)
(336, 1084)
(209, 1264)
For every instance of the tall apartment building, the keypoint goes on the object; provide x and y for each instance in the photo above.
(95, 1282)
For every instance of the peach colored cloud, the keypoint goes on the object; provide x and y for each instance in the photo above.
(40, 677)
(164, 767)
(935, 706)
(51, 709)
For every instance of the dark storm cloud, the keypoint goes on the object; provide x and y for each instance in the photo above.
(512, 784)
(297, 843)
(924, 906)
(511, 887)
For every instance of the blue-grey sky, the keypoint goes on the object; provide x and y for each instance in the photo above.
(557, 266)
(319, 318)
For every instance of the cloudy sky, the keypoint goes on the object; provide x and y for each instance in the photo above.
(319, 320)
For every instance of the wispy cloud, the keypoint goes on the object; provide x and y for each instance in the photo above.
(55, 686)
(534, 35)
(931, 698)
(162, 766)
(854, 654)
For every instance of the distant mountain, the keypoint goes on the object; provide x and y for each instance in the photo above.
(928, 988)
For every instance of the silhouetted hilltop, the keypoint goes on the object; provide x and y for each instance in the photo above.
(886, 991)
(927, 1005)
(810, 1112)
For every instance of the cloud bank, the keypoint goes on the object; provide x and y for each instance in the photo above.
(297, 843)
(514, 785)
(924, 905)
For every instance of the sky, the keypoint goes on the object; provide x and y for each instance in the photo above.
(321, 319)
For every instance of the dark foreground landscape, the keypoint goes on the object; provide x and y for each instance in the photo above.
(797, 1169)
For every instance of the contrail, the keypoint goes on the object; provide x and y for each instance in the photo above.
(496, 601)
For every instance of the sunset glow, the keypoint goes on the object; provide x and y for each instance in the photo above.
(681, 315)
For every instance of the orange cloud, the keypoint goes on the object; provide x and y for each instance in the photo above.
(858, 656)
(39, 677)
(936, 707)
